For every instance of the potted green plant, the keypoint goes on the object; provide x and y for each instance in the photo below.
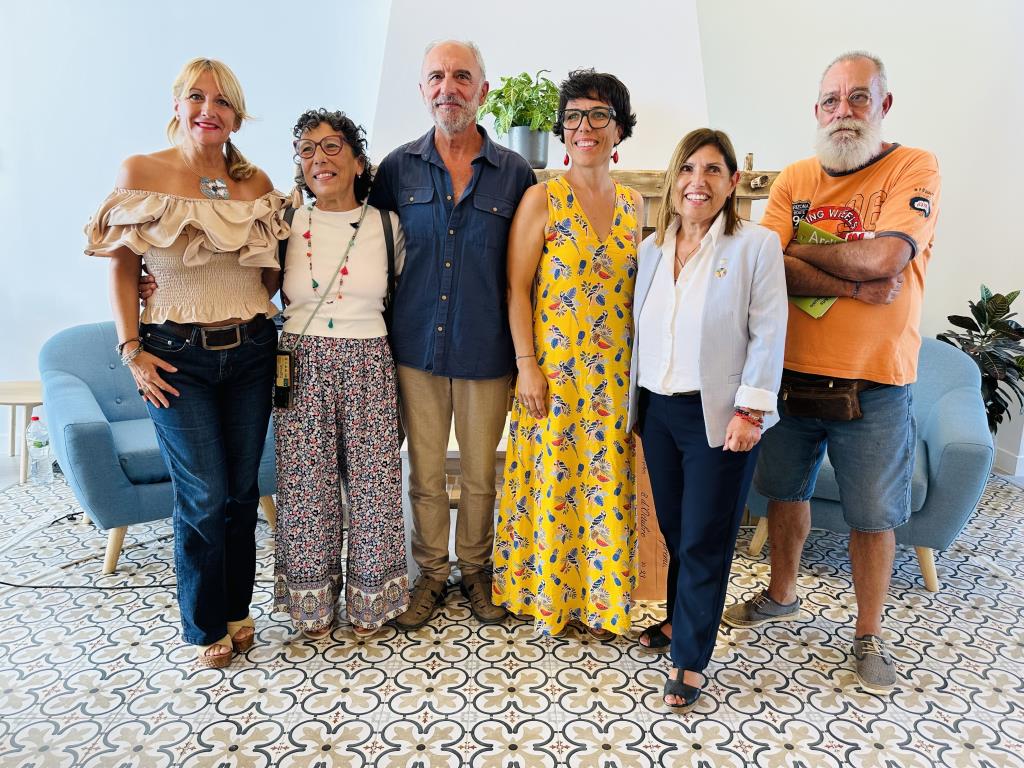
(993, 341)
(524, 109)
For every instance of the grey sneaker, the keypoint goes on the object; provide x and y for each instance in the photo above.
(760, 609)
(477, 589)
(875, 671)
(426, 595)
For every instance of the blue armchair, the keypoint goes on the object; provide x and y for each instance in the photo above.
(105, 441)
(952, 462)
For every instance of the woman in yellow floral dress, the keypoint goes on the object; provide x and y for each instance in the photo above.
(565, 541)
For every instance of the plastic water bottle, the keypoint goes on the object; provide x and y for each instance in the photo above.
(40, 458)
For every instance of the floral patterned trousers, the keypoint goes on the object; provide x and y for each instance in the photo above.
(341, 432)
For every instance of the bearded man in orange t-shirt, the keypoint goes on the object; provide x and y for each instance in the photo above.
(878, 201)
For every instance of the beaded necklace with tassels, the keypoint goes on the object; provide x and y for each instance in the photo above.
(342, 266)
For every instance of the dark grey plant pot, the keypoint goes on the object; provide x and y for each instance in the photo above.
(532, 145)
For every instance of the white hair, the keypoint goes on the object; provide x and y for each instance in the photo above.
(883, 80)
(465, 44)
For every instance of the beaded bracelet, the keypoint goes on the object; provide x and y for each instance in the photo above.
(127, 357)
(747, 416)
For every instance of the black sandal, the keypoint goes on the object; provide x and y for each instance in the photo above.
(674, 686)
(657, 641)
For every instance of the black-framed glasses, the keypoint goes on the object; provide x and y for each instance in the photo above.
(306, 148)
(597, 117)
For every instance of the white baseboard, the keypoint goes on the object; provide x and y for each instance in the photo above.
(1008, 462)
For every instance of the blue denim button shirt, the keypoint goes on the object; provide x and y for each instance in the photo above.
(450, 307)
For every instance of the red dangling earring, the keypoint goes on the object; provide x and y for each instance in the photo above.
(565, 160)
(615, 156)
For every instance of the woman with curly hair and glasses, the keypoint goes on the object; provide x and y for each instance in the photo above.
(341, 429)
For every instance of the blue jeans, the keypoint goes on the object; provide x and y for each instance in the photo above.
(212, 438)
(873, 458)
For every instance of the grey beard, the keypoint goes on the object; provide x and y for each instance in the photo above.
(456, 123)
(849, 154)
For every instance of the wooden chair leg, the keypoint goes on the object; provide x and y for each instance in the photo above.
(759, 538)
(14, 426)
(926, 559)
(115, 540)
(270, 510)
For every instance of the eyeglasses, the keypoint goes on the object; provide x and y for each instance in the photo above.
(306, 148)
(597, 117)
(857, 100)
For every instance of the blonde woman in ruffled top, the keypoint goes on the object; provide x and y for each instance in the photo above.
(207, 223)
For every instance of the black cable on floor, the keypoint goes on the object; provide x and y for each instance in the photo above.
(73, 516)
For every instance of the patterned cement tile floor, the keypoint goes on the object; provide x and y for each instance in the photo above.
(92, 677)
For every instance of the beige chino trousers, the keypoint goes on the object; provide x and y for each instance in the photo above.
(479, 407)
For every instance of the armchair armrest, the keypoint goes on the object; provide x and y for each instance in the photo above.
(960, 454)
(83, 443)
(957, 417)
(69, 400)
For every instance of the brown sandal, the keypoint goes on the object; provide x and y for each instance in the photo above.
(209, 660)
(243, 634)
(604, 635)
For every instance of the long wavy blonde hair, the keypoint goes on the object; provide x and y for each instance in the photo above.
(238, 167)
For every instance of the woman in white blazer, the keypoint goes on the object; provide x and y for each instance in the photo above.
(710, 316)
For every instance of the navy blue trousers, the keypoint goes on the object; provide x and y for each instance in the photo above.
(699, 495)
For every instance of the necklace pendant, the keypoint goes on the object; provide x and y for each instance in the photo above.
(215, 189)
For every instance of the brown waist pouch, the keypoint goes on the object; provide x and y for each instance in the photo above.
(822, 397)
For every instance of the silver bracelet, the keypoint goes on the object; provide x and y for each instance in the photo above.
(127, 357)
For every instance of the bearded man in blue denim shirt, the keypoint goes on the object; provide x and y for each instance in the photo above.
(455, 192)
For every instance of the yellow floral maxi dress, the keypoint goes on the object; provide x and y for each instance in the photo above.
(565, 541)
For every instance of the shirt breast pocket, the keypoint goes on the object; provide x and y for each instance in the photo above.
(416, 214)
(495, 213)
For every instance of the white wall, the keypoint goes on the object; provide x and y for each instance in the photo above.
(1009, 457)
(661, 67)
(85, 84)
(955, 72)
(955, 75)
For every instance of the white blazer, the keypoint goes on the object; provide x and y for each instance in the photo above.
(743, 338)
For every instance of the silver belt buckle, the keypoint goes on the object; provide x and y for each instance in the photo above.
(220, 347)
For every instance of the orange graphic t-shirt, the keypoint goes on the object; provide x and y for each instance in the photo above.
(896, 195)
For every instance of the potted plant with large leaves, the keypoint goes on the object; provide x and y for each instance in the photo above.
(993, 341)
(524, 109)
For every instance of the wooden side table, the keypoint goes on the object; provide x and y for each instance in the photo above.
(27, 394)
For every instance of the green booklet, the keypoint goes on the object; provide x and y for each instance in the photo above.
(808, 234)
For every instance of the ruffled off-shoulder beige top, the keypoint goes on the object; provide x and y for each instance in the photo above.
(206, 255)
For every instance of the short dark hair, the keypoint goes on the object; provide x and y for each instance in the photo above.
(354, 135)
(588, 84)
